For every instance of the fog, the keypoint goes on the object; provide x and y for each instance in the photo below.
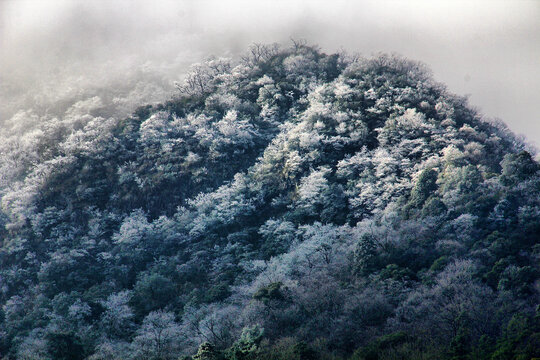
(53, 52)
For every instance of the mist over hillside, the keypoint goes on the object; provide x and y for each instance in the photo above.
(54, 53)
(283, 204)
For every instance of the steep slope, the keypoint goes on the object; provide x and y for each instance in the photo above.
(347, 206)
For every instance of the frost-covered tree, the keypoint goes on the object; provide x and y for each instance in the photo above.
(158, 337)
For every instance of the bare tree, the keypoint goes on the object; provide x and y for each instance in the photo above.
(258, 53)
(201, 77)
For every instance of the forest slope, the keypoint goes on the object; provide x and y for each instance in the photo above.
(289, 205)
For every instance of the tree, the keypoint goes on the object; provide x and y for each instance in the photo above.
(201, 78)
(207, 351)
(424, 187)
(365, 254)
(152, 292)
(117, 319)
(518, 167)
(64, 346)
(247, 347)
(158, 338)
(311, 192)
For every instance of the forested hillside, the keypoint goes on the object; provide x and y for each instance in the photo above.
(286, 205)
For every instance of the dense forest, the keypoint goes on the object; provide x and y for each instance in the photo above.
(288, 204)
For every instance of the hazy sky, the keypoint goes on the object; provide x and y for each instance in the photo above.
(53, 49)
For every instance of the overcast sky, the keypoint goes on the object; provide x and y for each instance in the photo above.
(487, 49)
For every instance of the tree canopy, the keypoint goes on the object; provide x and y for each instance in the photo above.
(289, 204)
